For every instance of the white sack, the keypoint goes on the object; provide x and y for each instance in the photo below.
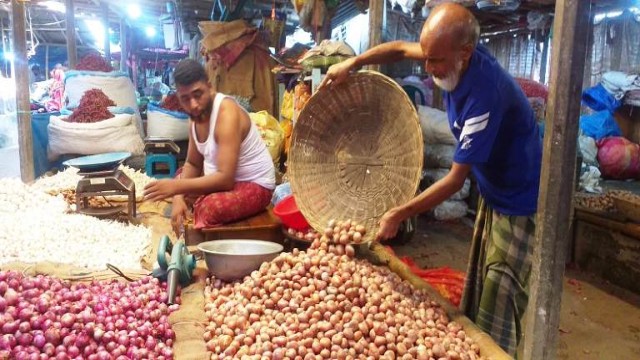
(450, 210)
(112, 135)
(167, 124)
(116, 85)
(439, 155)
(435, 126)
(432, 175)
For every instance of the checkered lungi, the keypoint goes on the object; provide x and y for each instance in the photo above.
(496, 289)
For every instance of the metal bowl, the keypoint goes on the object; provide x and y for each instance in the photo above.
(231, 260)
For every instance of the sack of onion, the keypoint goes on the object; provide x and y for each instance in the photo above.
(324, 304)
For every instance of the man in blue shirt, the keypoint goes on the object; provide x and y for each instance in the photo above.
(498, 141)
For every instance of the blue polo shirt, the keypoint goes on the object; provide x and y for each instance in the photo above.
(497, 134)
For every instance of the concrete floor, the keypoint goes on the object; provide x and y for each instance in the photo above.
(597, 320)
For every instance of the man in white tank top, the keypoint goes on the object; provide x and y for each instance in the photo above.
(228, 174)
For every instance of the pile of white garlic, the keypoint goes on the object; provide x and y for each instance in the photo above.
(68, 179)
(16, 196)
(36, 227)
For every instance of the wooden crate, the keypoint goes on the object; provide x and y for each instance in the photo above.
(263, 226)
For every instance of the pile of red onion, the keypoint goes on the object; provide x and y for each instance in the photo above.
(46, 318)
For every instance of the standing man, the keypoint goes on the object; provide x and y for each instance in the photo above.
(229, 173)
(498, 141)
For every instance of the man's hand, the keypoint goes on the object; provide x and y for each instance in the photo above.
(159, 190)
(389, 225)
(179, 212)
(337, 73)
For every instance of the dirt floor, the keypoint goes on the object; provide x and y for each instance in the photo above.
(597, 320)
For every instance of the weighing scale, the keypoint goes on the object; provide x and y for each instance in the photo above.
(160, 151)
(101, 177)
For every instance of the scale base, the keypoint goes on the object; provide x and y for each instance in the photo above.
(106, 183)
(104, 211)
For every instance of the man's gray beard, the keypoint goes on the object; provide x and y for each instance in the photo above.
(450, 82)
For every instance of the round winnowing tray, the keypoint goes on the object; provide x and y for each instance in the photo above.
(356, 152)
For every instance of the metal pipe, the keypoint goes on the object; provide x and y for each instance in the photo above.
(72, 53)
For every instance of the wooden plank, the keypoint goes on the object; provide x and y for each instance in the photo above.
(557, 179)
(626, 228)
(72, 54)
(376, 13)
(611, 255)
(21, 73)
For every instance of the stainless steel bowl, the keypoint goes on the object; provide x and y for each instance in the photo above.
(230, 260)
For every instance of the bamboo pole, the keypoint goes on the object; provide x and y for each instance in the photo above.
(105, 20)
(21, 73)
(72, 54)
(124, 52)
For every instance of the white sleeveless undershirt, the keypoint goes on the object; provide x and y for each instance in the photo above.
(254, 163)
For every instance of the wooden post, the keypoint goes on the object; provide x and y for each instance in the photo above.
(72, 54)
(376, 26)
(557, 179)
(21, 74)
(124, 53)
(105, 23)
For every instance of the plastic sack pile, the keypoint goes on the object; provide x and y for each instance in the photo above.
(439, 148)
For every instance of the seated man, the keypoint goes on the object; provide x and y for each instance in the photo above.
(228, 174)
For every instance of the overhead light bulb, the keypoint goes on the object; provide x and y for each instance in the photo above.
(134, 11)
(150, 31)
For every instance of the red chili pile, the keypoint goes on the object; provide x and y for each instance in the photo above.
(172, 103)
(46, 318)
(94, 62)
(92, 108)
(448, 282)
(533, 89)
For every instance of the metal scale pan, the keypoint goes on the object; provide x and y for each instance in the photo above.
(101, 177)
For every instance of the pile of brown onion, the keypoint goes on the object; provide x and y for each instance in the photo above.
(324, 304)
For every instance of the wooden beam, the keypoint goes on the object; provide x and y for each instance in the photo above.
(377, 9)
(557, 179)
(124, 51)
(21, 73)
(72, 54)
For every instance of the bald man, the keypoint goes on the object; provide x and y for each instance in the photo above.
(498, 141)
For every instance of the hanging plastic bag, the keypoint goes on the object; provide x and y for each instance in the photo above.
(599, 125)
(271, 133)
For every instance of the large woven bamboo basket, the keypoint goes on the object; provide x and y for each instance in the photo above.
(356, 152)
